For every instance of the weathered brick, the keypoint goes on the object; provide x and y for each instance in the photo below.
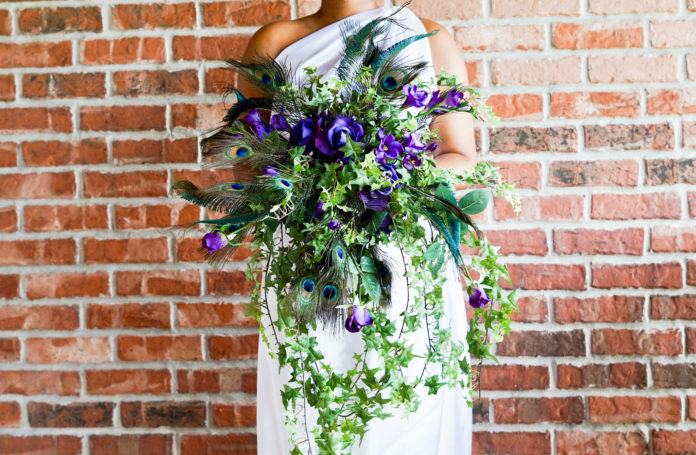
(570, 442)
(673, 307)
(158, 282)
(597, 35)
(43, 218)
(531, 309)
(158, 348)
(636, 342)
(630, 375)
(235, 415)
(8, 219)
(595, 104)
(225, 380)
(610, 308)
(117, 382)
(35, 54)
(433, 9)
(122, 50)
(691, 272)
(36, 21)
(38, 252)
(57, 153)
(671, 101)
(67, 285)
(514, 377)
(38, 185)
(674, 376)
(248, 13)
(665, 275)
(512, 8)
(160, 82)
(228, 282)
(520, 174)
(495, 38)
(636, 206)
(148, 216)
(541, 208)
(666, 442)
(537, 71)
(122, 118)
(159, 15)
(8, 90)
(68, 350)
(673, 33)
(691, 66)
(163, 414)
(670, 172)
(14, 317)
(529, 107)
(511, 443)
(233, 347)
(9, 349)
(480, 411)
(594, 173)
(633, 6)
(5, 22)
(9, 286)
(534, 410)
(543, 344)
(632, 68)
(155, 151)
(547, 276)
(672, 239)
(201, 117)
(98, 251)
(657, 136)
(128, 316)
(125, 184)
(131, 444)
(33, 382)
(519, 241)
(209, 47)
(213, 315)
(634, 409)
(58, 85)
(73, 415)
(45, 445)
(233, 443)
(590, 241)
(51, 119)
(10, 414)
(528, 140)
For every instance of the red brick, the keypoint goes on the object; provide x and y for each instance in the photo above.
(56, 153)
(597, 35)
(38, 252)
(521, 175)
(474, 70)
(543, 344)
(664, 34)
(59, 85)
(634, 409)
(34, 21)
(671, 376)
(128, 316)
(643, 206)
(44, 445)
(53, 119)
(691, 272)
(236, 415)
(595, 104)
(691, 66)
(481, 411)
(633, 6)
(8, 91)
(692, 204)
(532, 241)
(667, 442)
(527, 140)
(531, 309)
(38, 185)
(10, 414)
(162, 82)
(14, 317)
(497, 38)
(8, 219)
(117, 382)
(231, 443)
(601, 443)
(163, 414)
(43, 218)
(671, 101)
(233, 347)
(161, 15)
(9, 349)
(520, 107)
(228, 282)
(588, 241)
(514, 377)
(228, 380)
(190, 315)
(672, 239)
(511, 443)
(201, 117)
(122, 50)
(670, 172)
(66, 285)
(636, 342)
(155, 216)
(547, 276)
(5, 22)
(73, 415)
(62, 383)
(248, 13)
(537, 71)
(131, 444)
(99, 251)
(665, 275)
(9, 286)
(511, 8)
(68, 350)
(463, 9)
(630, 375)
(673, 307)
(534, 410)
(605, 69)
(593, 173)
(218, 80)
(155, 151)
(209, 47)
(122, 118)
(692, 408)
(658, 136)
(158, 282)
(541, 208)
(158, 348)
(8, 154)
(125, 184)
(598, 309)
(35, 54)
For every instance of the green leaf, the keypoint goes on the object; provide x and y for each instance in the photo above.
(445, 192)
(474, 201)
(367, 264)
(372, 286)
(433, 251)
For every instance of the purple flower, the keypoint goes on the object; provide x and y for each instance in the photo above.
(386, 225)
(254, 119)
(479, 298)
(303, 133)
(454, 99)
(435, 99)
(268, 170)
(414, 96)
(374, 199)
(413, 143)
(213, 241)
(388, 147)
(320, 207)
(392, 173)
(431, 147)
(328, 140)
(279, 122)
(411, 160)
(358, 317)
(333, 225)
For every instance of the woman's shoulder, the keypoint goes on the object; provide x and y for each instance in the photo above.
(276, 36)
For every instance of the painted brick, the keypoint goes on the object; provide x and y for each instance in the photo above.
(541, 208)
(673, 33)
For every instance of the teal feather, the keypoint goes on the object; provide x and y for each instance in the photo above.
(449, 238)
(398, 47)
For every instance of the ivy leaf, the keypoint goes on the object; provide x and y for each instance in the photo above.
(371, 284)
(474, 201)
(367, 264)
(433, 251)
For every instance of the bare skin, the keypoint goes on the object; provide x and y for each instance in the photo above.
(457, 149)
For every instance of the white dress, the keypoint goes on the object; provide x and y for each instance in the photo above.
(443, 423)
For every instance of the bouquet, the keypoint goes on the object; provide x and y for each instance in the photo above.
(341, 170)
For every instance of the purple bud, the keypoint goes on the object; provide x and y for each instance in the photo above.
(320, 207)
(479, 298)
(268, 170)
(333, 225)
(213, 241)
(358, 317)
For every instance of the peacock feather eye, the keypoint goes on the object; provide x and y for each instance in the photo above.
(282, 184)
(236, 186)
(390, 83)
(330, 292)
(340, 254)
(307, 287)
(238, 152)
(266, 79)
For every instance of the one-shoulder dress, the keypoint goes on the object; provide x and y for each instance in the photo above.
(443, 423)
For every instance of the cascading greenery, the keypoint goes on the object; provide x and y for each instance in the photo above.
(342, 174)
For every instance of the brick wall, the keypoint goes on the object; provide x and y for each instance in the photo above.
(114, 339)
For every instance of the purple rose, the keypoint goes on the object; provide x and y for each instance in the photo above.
(213, 241)
(254, 120)
(331, 138)
(393, 174)
(333, 225)
(358, 317)
(415, 97)
(388, 147)
(303, 133)
(479, 298)
(411, 160)
(268, 170)
(413, 144)
(279, 122)
(374, 199)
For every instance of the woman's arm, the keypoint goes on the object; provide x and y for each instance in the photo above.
(457, 150)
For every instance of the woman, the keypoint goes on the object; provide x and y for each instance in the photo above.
(442, 425)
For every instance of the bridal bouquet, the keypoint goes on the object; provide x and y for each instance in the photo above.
(341, 169)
